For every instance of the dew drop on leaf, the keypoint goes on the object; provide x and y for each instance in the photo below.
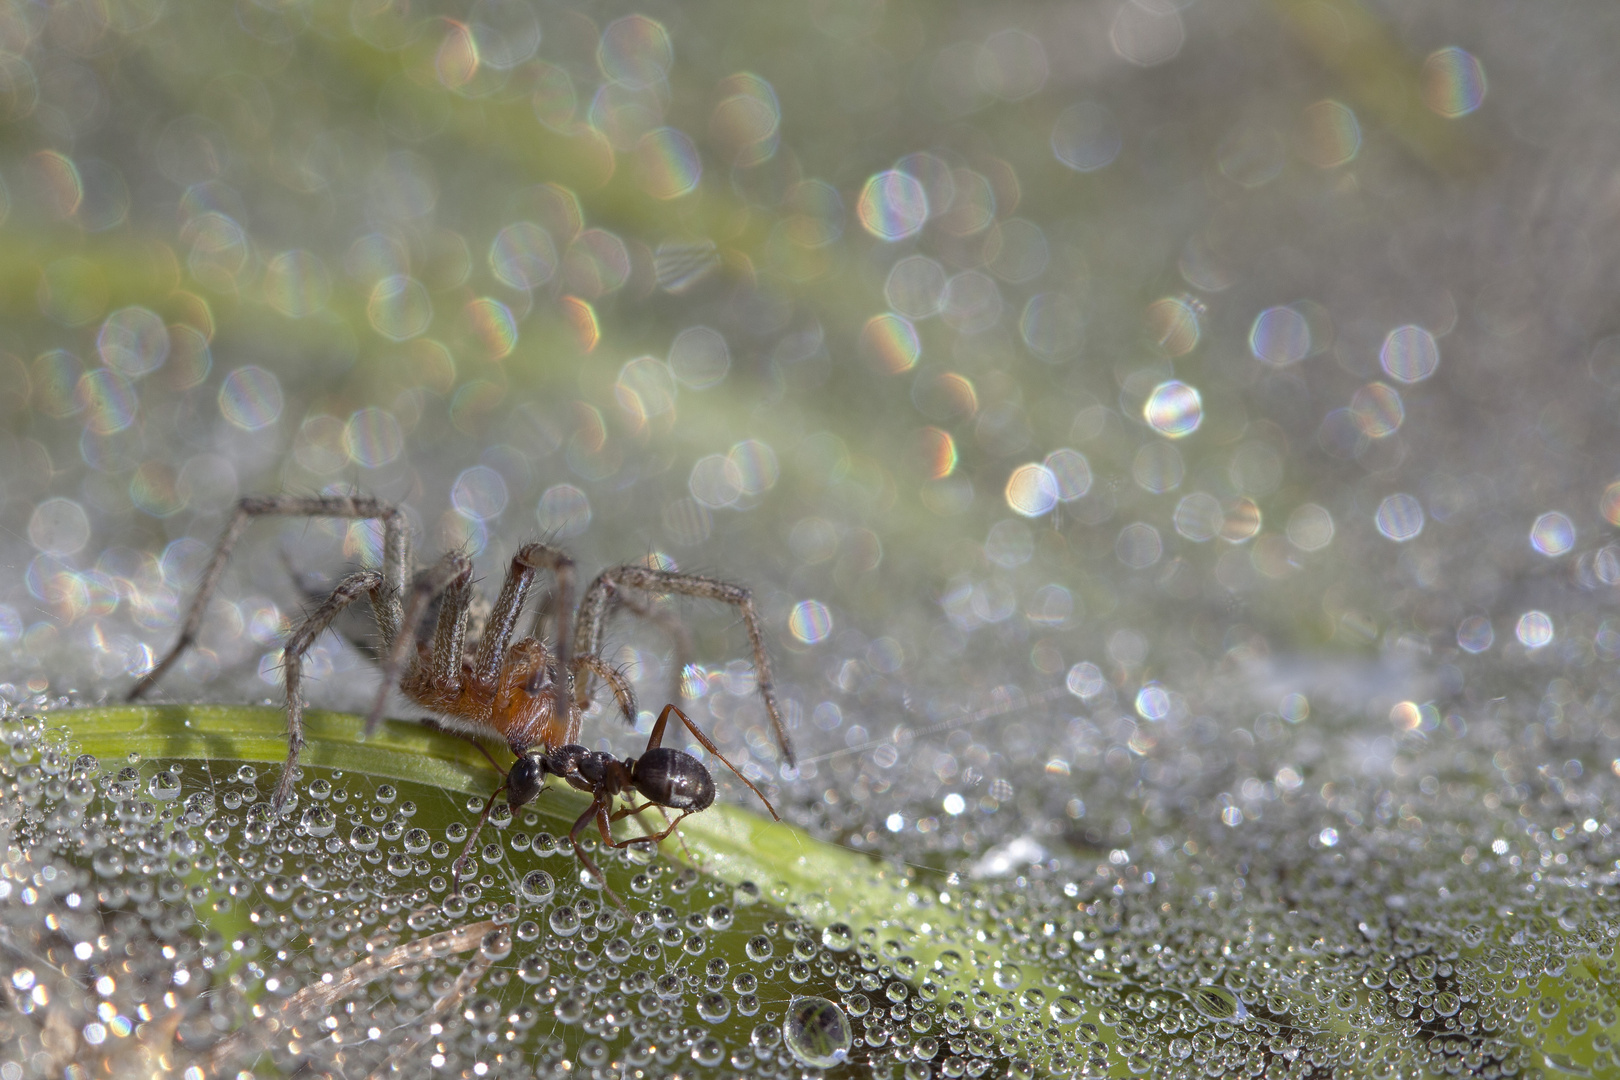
(816, 1032)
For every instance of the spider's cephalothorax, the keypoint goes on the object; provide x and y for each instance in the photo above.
(515, 688)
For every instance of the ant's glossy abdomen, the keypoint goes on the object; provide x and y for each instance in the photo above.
(674, 779)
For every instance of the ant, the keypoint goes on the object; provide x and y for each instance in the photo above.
(524, 692)
(666, 778)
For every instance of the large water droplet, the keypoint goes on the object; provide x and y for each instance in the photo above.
(816, 1032)
(537, 886)
(1218, 1003)
(838, 937)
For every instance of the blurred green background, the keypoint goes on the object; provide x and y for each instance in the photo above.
(1149, 427)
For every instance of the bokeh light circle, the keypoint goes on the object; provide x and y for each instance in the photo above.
(399, 308)
(915, 287)
(108, 400)
(1553, 534)
(59, 527)
(1153, 702)
(810, 621)
(133, 341)
(635, 51)
(297, 284)
(1534, 629)
(892, 206)
(1199, 517)
(890, 341)
(1331, 135)
(1475, 634)
(699, 357)
(1070, 471)
(479, 493)
(1280, 336)
(523, 256)
(1453, 82)
(1310, 527)
(492, 325)
(1609, 503)
(1085, 680)
(1399, 517)
(1377, 411)
(1174, 409)
(1032, 490)
(1410, 354)
(1138, 545)
(250, 398)
(563, 511)
(669, 162)
(372, 437)
(1086, 137)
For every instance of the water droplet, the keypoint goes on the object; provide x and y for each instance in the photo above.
(1066, 1009)
(564, 920)
(759, 948)
(164, 786)
(495, 945)
(318, 820)
(838, 937)
(816, 1032)
(1218, 1003)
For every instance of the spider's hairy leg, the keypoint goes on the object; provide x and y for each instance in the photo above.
(503, 616)
(450, 573)
(679, 634)
(597, 605)
(385, 601)
(622, 691)
(315, 623)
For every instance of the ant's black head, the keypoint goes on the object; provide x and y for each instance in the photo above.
(674, 779)
(524, 781)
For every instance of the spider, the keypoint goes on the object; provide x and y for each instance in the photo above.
(523, 692)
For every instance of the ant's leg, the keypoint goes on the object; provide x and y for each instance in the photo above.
(622, 692)
(385, 601)
(465, 858)
(593, 611)
(503, 617)
(638, 810)
(596, 811)
(347, 592)
(449, 574)
(651, 838)
(656, 739)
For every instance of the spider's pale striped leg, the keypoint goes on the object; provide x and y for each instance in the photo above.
(384, 600)
(503, 616)
(680, 636)
(446, 578)
(302, 639)
(599, 600)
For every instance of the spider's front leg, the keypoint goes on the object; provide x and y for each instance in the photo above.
(508, 608)
(607, 592)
